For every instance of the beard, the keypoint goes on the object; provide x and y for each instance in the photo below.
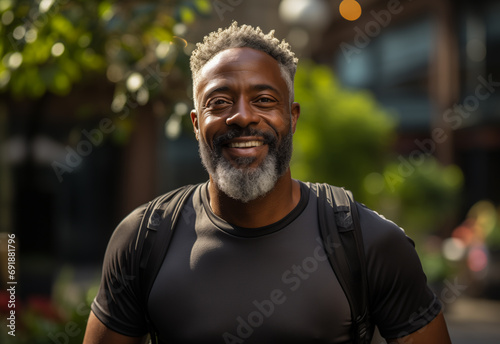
(241, 182)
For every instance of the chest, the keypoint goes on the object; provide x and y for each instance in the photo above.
(218, 288)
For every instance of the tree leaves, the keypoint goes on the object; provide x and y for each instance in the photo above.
(55, 43)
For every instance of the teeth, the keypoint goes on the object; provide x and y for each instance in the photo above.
(245, 144)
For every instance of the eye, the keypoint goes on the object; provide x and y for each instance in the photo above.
(217, 102)
(265, 101)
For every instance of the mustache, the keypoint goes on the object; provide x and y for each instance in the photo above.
(268, 138)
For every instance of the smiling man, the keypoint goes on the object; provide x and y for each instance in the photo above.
(246, 264)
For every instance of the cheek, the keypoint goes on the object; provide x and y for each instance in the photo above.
(282, 124)
(211, 127)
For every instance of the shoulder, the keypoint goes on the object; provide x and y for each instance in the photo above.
(376, 229)
(388, 249)
(121, 245)
(380, 232)
(130, 223)
(125, 235)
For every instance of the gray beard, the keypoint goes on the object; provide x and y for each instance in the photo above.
(243, 183)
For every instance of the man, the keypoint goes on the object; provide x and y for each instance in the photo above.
(245, 265)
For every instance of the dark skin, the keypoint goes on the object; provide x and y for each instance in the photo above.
(244, 87)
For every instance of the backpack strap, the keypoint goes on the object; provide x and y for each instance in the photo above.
(153, 238)
(343, 243)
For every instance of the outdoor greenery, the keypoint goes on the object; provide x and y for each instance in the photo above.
(59, 318)
(344, 137)
(134, 49)
(51, 45)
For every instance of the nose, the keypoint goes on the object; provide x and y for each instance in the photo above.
(243, 115)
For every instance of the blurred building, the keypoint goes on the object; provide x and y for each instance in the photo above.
(437, 65)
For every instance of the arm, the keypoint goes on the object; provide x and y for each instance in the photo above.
(98, 333)
(117, 312)
(403, 307)
(434, 332)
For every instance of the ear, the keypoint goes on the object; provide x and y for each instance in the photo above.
(295, 111)
(194, 120)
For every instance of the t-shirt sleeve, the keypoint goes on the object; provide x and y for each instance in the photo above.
(400, 300)
(117, 302)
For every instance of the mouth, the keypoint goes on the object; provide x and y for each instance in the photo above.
(251, 150)
(245, 144)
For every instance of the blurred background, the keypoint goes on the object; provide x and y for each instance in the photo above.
(400, 103)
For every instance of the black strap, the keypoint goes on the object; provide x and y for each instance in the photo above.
(343, 242)
(153, 239)
(341, 236)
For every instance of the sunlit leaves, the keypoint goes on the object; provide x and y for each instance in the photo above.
(342, 135)
(56, 43)
(62, 27)
(105, 10)
(187, 15)
(38, 52)
(203, 6)
(158, 34)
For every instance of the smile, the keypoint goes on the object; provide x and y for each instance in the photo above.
(247, 144)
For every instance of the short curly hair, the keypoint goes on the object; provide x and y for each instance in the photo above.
(236, 36)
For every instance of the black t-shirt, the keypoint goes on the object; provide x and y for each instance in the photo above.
(221, 283)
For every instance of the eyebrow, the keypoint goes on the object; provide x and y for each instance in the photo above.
(264, 87)
(215, 90)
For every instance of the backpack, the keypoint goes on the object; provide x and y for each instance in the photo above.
(341, 236)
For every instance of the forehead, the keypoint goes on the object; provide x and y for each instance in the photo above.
(243, 62)
(235, 57)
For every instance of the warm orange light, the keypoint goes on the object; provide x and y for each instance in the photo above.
(183, 40)
(350, 9)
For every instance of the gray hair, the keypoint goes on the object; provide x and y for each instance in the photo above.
(243, 36)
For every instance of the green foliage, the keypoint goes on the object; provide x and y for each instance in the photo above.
(344, 138)
(51, 45)
(422, 196)
(59, 319)
(342, 135)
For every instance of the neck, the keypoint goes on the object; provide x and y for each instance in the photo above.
(260, 212)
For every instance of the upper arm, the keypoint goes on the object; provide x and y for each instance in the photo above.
(119, 304)
(434, 332)
(400, 300)
(98, 333)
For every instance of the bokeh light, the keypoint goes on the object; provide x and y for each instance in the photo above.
(350, 9)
